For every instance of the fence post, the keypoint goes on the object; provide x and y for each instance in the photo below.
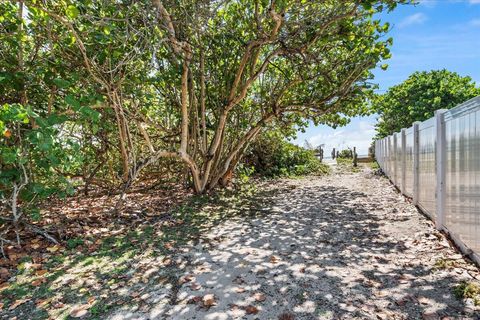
(387, 156)
(416, 161)
(354, 156)
(403, 159)
(395, 160)
(440, 163)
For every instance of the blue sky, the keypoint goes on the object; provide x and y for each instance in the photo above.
(434, 34)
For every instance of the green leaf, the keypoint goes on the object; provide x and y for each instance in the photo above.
(61, 83)
(69, 99)
(72, 12)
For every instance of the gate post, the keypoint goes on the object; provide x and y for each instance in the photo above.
(416, 161)
(440, 162)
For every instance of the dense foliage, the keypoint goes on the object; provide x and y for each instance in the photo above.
(102, 92)
(272, 156)
(346, 154)
(417, 98)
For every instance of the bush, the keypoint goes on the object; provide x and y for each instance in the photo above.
(272, 156)
(346, 154)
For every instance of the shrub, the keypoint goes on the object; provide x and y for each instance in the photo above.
(346, 154)
(272, 156)
(468, 290)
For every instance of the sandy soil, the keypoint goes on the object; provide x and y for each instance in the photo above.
(346, 246)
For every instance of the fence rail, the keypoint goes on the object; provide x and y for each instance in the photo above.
(437, 164)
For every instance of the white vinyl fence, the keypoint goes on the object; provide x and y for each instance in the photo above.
(437, 164)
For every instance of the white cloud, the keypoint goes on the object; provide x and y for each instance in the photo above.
(474, 1)
(416, 18)
(428, 3)
(359, 136)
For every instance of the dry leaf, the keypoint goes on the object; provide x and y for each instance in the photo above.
(195, 286)
(91, 300)
(37, 282)
(4, 286)
(286, 316)
(195, 299)
(4, 273)
(79, 311)
(186, 278)
(209, 300)
(17, 303)
(251, 310)
(259, 297)
(240, 290)
(41, 272)
(168, 245)
(273, 259)
(423, 300)
(42, 302)
(36, 266)
(234, 306)
(1, 305)
(53, 249)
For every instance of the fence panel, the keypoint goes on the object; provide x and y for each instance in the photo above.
(462, 176)
(397, 138)
(460, 170)
(409, 162)
(427, 177)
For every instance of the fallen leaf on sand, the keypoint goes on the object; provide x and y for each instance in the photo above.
(4, 273)
(53, 249)
(286, 316)
(209, 300)
(423, 300)
(42, 302)
(273, 259)
(429, 316)
(37, 282)
(195, 286)
(40, 272)
(251, 310)
(195, 299)
(259, 297)
(17, 303)
(79, 311)
(186, 278)
(168, 245)
(234, 306)
(36, 266)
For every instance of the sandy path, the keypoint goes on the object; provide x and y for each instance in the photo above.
(344, 246)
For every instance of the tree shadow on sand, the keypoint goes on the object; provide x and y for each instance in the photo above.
(309, 252)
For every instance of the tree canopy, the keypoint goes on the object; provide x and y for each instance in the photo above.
(98, 92)
(417, 98)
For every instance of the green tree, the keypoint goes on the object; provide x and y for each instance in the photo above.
(133, 83)
(417, 98)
